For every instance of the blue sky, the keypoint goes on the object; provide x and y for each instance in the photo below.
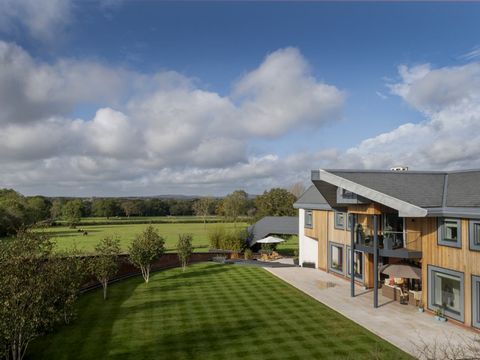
(355, 47)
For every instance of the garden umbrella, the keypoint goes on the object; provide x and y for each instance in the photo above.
(270, 240)
(402, 271)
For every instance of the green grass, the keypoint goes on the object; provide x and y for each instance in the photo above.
(66, 238)
(146, 219)
(288, 247)
(211, 311)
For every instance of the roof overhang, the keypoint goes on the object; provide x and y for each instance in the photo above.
(404, 208)
(312, 206)
(467, 213)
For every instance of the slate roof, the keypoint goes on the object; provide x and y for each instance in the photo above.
(312, 199)
(270, 225)
(440, 192)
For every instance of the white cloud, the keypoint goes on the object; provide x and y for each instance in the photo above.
(41, 19)
(448, 138)
(150, 131)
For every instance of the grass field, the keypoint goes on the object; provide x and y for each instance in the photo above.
(67, 238)
(147, 219)
(211, 311)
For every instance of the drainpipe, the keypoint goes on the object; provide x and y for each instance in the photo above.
(352, 255)
(375, 261)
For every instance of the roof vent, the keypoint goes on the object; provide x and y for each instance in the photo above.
(399, 168)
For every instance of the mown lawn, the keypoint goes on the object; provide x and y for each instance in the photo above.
(209, 312)
(66, 238)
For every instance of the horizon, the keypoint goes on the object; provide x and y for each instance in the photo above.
(127, 99)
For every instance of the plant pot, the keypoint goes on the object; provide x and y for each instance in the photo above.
(295, 262)
(420, 310)
(440, 318)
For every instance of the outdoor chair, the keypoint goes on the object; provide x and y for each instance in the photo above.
(403, 296)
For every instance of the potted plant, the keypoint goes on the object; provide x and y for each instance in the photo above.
(295, 257)
(420, 307)
(440, 315)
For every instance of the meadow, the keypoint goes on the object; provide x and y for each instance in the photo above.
(67, 238)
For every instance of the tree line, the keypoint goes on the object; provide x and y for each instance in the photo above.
(18, 211)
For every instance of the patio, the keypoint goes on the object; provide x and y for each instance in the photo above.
(401, 325)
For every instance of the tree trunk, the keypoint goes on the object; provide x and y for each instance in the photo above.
(147, 273)
(105, 283)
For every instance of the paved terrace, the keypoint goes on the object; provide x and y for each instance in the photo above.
(401, 325)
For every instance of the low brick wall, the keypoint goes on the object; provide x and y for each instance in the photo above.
(168, 260)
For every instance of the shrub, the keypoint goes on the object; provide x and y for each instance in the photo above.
(145, 249)
(216, 237)
(184, 249)
(248, 254)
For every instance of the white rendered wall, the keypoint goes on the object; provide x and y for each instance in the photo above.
(308, 247)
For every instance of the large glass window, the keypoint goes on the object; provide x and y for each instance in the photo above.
(476, 301)
(446, 291)
(393, 227)
(357, 264)
(336, 258)
(340, 220)
(308, 219)
(449, 232)
(474, 234)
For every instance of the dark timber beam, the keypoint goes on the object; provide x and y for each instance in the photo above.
(352, 254)
(375, 261)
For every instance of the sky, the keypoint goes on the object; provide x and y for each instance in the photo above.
(116, 98)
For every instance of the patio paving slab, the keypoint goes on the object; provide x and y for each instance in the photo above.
(401, 325)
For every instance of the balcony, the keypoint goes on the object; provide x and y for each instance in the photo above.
(401, 244)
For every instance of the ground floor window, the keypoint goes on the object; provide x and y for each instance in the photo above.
(446, 290)
(357, 264)
(336, 258)
(476, 301)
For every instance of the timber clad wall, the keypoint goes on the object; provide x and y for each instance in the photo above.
(458, 259)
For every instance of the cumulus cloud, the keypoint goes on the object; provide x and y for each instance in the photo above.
(150, 130)
(448, 138)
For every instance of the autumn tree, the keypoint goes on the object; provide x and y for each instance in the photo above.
(104, 265)
(145, 249)
(202, 207)
(297, 189)
(184, 249)
(129, 207)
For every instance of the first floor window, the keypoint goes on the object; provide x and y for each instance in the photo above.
(476, 301)
(449, 232)
(336, 258)
(340, 220)
(308, 219)
(357, 264)
(474, 234)
(446, 291)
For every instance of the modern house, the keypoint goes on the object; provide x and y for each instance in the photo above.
(423, 220)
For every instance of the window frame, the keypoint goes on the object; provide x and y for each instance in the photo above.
(341, 246)
(308, 213)
(347, 258)
(476, 301)
(431, 270)
(335, 223)
(471, 234)
(441, 233)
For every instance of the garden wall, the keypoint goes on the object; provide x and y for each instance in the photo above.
(169, 260)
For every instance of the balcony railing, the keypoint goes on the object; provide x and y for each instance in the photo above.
(391, 240)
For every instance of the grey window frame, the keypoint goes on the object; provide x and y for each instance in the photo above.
(431, 289)
(441, 233)
(347, 260)
(342, 246)
(476, 301)
(335, 224)
(305, 224)
(471, 235)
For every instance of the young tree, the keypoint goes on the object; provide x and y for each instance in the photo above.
(32, 280)
(184, 249)
(105, 263)
(145, 249)
(202, 207)
(72, 212)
